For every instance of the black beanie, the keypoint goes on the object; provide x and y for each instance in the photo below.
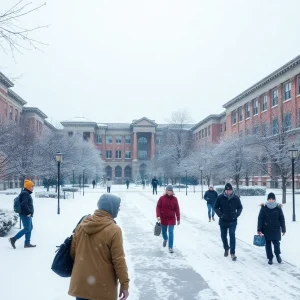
(228, 186)
(271, 196)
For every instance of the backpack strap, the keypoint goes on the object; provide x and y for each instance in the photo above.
(80, 222)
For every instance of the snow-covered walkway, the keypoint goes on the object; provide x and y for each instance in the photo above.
(197, 269)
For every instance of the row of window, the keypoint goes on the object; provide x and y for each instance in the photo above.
(205, 132)
(245, 112)
(109, 139)
(118, 154)
(10, 114)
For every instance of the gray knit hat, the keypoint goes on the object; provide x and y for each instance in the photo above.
(109, 203)
(169, 188)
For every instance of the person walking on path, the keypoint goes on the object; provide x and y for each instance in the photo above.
(271, 224)
(108, 185)
(127, 183)
(228, 207)
(154, 184)
(99, 259)
(211, 196)
(26, 214)
(94, 183)
(167, 212)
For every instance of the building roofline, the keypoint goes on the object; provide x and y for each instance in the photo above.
(285, 68)
(51, 126)
(134, 122)
(213, 116)
(5, 80)
(36, 110)
(16, 97)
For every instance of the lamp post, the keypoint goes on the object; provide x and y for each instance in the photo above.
(293, 154)
(73, 169)
(58, 158)
(201, 174)
(185, 166)
(83, 169)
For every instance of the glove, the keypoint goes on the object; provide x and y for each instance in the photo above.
(259, 232)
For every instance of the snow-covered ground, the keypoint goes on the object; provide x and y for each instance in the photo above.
(197, 269)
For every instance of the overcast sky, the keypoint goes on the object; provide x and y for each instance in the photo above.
(115, 61)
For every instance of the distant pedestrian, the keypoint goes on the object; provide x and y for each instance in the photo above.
(167, 212)
(211, 196)
(108, 185)
(99, 259)
(271, 224)
(26, 214)
(94, 183)
(143, 184)
(228, 207)
(154, 184)
(127, 183)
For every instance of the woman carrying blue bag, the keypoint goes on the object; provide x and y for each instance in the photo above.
(271, 224)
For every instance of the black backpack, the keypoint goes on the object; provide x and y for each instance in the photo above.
(63, 262)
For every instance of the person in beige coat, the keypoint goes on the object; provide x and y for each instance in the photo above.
(97, 248)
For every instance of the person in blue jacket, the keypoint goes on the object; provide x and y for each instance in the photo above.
(211, 196)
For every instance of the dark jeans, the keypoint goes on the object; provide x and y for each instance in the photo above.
(211, 212)
(27, 228)
(224, 231)
(269, 248)
(108, 189)
(155, 190)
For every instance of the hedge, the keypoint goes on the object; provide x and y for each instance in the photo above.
(245, 190)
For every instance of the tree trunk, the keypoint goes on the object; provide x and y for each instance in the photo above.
(247, 180)
(284, 182)
(237, 181)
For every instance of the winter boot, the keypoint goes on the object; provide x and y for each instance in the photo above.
(279, 260)
(233, 257)
(171, 250)
(29, 246)
(164, 243)
(270, 261)
(213, 218)
(209, 220)
(13, 242)
(226, 252)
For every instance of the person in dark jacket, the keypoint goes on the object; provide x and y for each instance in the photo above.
(154, 184)
(228, 207)
(211, 196)
(167, 211)
(127, 183)
(93, 183)
(271, 223)
(26, 214)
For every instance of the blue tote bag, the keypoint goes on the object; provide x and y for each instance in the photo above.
(259, 240)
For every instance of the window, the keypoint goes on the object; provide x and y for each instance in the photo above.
(209, 130)
(233, 117)
(255, 107)
(298, 85)
(275, 128)
(37, 126)
(157, 141)
(99, 139)
(247, 131)
(288, 122)
(127, 139)
(274, 97)
(264, 101)
(264, 130)
(240, 114)
(108, 154)
(16, 115)
(287, 87)
(108, 139)
(299, 117)
(255, 130)
(127, 154)
(118, 171)
(10, 112)
(221, 128)
(6, 109)
(225, 126)
(247, 110)
(142, 154)
(118, 154)
(86, 136)
(205, 132)
(118, 139)
(70, 133)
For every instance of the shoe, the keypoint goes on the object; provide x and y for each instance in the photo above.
(209, 220)
(233, 257)
(279, 260)
(13, 242)
(171, 250)
(164, 243)
(29, 246)
(226, 252)
(270, 262)
(213, 218)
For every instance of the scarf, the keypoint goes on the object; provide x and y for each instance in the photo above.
(271, 205)
(230, 196)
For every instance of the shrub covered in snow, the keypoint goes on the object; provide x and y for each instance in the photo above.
(245, 190)
(70, 189)
(7, 220)
(297, 191)
(9, 193)
(52, 195)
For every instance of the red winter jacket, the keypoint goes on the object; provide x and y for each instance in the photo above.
(167, 209)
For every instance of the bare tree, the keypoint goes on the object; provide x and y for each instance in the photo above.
(13, 35)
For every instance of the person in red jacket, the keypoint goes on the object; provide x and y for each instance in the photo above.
(167, 211)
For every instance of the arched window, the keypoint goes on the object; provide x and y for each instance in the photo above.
(143, 170)
(142, 148)
(118, 171)
(127, 172)
(108, 172)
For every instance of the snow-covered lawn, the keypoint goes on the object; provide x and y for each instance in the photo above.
(197, 270)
